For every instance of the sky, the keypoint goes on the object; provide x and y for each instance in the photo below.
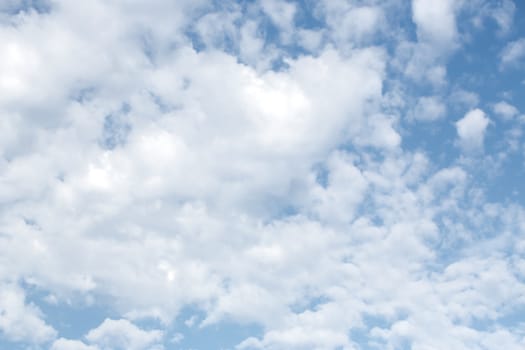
(262, 174)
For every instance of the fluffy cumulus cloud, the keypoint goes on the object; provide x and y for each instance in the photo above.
(114, 334)
(20, 321)
(471, 129)
(65, 344)
(271, 174)
(121, 334)
(436, 21)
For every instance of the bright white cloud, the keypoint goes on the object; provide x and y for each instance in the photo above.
(20, 321)
(471, 130)
(122, 334)
(350, 24)
(436, 21)
(65, 344)
(437, 37)
(164, 155)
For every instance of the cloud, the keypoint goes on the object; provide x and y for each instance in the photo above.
(338, 201)
(257, 164)
(437, 37)
(505, 110)
(471, 130)
(282, 14)
(500, 13)
(350, 24)
(298, 338)
(20, 321)
(65, 344)
(513, 53)
(463, 98)
(436, 22)
(504, 15)
(429, 108)
(122, 334)
(310, 40)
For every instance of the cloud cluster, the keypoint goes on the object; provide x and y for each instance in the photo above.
(252, 162)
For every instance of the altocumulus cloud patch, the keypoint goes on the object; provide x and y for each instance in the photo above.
(268, 174)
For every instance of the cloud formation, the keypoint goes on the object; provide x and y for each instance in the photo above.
(471, 129)
(260, 175)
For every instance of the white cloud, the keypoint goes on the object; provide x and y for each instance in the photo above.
(500, 13)
(122, 334)
(282, 14)
(361, 23)
(218, 29)
(351, 25)
(310, 39)
(504, 15)
(251, 46)
(437, 37)
(282, 198)
(66, 344)
(505, 110)
(344, 191)
(379, 131)
(20, 321)
(471, 130)
(177, 338)
(429, 108)
(513, 53)
(436, 22)
(297, 338)
(422, 63)
(465, 99)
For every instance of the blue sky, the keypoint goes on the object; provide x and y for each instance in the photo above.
(264, 174)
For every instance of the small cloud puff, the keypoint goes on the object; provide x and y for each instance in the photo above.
(122, 334)
(429, 108)
(471, 130)
(505, 110)
(513, 53)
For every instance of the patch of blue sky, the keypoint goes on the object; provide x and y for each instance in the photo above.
(309, 303)
(321, 174)
(512, 319)
(71, 320)
(222, 335)
(163, 105)
(15, 345)
(362, 335)
(475, 67)
(116, 128)
(74, 320)
(147, 45)
(196, 41)
(24, 6)
(307, 15)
